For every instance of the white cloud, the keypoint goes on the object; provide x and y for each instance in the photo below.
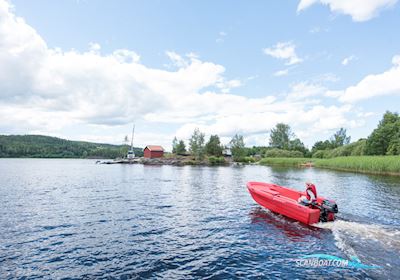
(284, 50)
(348, 59)
(327, 77)
(304, 90)
(317, 29)
(226, 86)
(221, 37)
(281, 73)
(386, 83)
(359, 10)
(176, 59)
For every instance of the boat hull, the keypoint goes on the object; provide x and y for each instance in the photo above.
(284, 201)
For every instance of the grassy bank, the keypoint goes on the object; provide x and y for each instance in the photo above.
(284, 161)
(365, 164)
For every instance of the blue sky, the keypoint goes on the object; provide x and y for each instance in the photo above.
(87, 69)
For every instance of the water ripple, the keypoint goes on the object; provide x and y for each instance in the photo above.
(77, 220)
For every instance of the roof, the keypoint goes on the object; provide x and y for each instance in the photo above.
(155, 148)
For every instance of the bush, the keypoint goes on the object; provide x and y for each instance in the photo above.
(353, 149)
(359, 148)
(278, 153)
(212, 160)
(320, 154)
(245, 159)
(285, 161)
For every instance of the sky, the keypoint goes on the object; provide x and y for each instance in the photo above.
(87, 70)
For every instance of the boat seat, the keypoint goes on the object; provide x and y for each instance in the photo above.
(285, 199)
(271, 192)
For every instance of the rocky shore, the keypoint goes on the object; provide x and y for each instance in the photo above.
(178, 161)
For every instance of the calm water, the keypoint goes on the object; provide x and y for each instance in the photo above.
(76, 219)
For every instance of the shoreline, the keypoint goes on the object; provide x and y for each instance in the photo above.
(374, 165)
(178, 161)
(344, 164)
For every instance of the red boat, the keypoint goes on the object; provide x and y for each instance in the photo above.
(304, 207)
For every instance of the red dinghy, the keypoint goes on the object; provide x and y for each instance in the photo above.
(304, 207)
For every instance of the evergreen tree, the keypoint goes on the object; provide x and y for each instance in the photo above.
(213, 146)
(237, 147)
(180, 148)
(174, 145)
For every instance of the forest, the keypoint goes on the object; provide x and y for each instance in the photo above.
(39, 146)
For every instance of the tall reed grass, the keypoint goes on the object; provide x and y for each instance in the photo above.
(365, 164)
(368, 164)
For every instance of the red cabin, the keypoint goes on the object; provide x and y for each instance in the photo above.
(152, 151)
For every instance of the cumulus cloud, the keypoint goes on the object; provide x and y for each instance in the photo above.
(359, 10)
(348, 59)
(285, 51)
(281, 73)
(46, 89)
(386, 83)
(305, 90)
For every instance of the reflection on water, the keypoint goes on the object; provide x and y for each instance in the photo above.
(294, 230)
(73, 218)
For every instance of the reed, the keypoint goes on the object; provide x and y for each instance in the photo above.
(365, 164)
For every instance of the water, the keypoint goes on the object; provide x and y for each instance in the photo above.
(76, 219)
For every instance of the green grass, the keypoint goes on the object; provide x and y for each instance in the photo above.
(365, 164)
(285, 161)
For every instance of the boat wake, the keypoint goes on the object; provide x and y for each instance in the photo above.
(387, 237)
(374, 244)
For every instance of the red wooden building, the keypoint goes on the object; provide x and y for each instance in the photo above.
(152, 151)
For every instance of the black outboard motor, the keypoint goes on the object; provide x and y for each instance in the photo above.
(328, 211)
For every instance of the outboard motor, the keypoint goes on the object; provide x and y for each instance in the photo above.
(328, 209)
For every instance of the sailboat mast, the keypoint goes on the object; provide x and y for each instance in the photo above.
(133, 132)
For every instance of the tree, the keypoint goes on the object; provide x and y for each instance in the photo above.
(297, 145)
(213, 146)
(180, 148)
(280, 136)
(196, 144)
(340, 138)
(237, 147)
(174, 145)
(321, 145)
(385, 138)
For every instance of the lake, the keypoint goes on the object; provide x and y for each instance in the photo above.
(69, 218)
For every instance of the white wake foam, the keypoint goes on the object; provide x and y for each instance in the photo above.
(344, 230)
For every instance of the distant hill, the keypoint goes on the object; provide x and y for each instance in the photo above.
(39, 146)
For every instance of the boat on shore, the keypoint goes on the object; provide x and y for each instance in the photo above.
(289, 202)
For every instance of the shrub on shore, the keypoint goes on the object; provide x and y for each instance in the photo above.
(279, 153)
(353, 149)
(212, 160)
(245, 159)
(284, 161)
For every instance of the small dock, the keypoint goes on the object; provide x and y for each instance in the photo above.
(122, 161)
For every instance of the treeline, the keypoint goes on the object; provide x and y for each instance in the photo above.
(384, 140)
(212, 149)
(38, 146)
(283, 143)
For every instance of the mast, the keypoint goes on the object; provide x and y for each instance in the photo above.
(133, 132)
